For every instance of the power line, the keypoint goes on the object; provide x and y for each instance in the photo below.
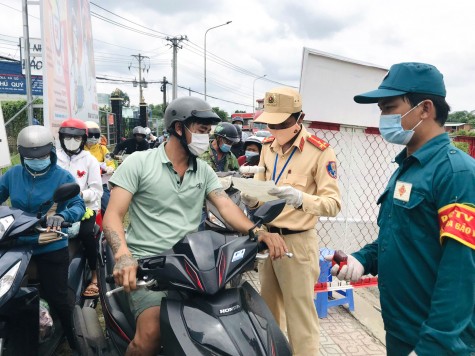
(124, 81)
(112, 13)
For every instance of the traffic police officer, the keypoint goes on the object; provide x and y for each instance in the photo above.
(303, 168)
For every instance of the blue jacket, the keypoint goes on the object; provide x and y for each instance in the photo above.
(27, 193)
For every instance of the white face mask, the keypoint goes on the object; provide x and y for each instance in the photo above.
(199, 143)
(71, 144)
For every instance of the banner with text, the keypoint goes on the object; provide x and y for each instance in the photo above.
(69, 70)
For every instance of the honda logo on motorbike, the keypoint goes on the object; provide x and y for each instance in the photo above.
(229, 310)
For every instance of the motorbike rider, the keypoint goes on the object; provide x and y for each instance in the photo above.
(238, 148)
(219, 155)
(136, 143)
(102, 154)
(252, 150)
(163, 190)
(150, 137)
(73, 135)
(29, 185)
(238, 121)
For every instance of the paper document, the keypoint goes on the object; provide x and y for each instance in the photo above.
(255, 188)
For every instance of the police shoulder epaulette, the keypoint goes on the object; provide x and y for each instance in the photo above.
(318, 142)
(269, 139)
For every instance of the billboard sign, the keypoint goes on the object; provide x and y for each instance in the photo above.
(69, 69)
(36, 54)
(13, 82)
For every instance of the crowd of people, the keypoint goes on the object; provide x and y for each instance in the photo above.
(423, 256)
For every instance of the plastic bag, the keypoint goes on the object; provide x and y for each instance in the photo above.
(46, 322)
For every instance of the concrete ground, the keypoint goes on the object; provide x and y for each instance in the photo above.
(342, 332)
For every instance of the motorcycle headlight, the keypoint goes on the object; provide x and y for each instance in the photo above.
(8, 278)
(215, 220)
(5, 223)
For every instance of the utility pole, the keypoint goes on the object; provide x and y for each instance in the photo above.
(142, 104)
(163, 89)
(26, 35)
(175, 43)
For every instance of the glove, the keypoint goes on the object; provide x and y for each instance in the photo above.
(291, 195)
(352, 271)
(249, 200)
(54, 222)
(87, 214)
(109, 170)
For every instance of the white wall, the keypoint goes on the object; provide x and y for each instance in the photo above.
(328, 84)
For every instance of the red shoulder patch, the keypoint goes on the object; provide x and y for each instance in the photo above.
(269, 139)
(318, 142)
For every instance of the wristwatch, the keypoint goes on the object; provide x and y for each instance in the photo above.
(257, 231)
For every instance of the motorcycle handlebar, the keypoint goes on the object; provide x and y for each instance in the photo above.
(261, 246)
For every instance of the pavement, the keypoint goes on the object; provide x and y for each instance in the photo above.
(343, 332)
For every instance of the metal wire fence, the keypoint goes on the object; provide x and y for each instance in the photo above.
(365, 164)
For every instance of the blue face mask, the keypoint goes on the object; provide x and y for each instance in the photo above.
(38, 165)
(392, 131)
(250, 154)
(225, 148)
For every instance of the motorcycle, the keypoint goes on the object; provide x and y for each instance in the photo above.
(19, 296)
(199, 316)
(214, 220)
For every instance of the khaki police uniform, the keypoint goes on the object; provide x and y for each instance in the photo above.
(287, 284)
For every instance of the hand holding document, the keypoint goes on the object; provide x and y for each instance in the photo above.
(255, 188)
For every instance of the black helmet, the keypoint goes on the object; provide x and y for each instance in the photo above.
(228, 131)
(252, 140)
(238, 129)
(186, 107)
(237, 118)
(35, 141)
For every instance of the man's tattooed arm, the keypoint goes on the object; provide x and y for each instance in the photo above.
(113, 239)
(219, 193)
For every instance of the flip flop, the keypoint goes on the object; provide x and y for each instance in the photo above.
(92, 291)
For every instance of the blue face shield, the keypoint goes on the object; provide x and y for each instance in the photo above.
(38, 165)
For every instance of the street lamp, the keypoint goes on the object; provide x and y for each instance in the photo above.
(253, 101)
(224, 24)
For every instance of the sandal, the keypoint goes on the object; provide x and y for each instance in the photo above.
(91, 292)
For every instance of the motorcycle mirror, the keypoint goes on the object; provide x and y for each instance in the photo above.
(66, 192)
(269, 211)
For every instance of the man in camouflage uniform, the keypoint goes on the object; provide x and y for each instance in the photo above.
(219, 155)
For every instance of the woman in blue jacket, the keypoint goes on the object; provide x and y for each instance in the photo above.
(28, 186)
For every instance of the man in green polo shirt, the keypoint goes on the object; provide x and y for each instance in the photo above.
(163, 189)
(425, 251)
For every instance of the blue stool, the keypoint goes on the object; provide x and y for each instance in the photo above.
(324, 300)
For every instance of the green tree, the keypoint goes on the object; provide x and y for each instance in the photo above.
(9, 109)
(157, 110)
(117, 93)
(221, 113)
(462, 116)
